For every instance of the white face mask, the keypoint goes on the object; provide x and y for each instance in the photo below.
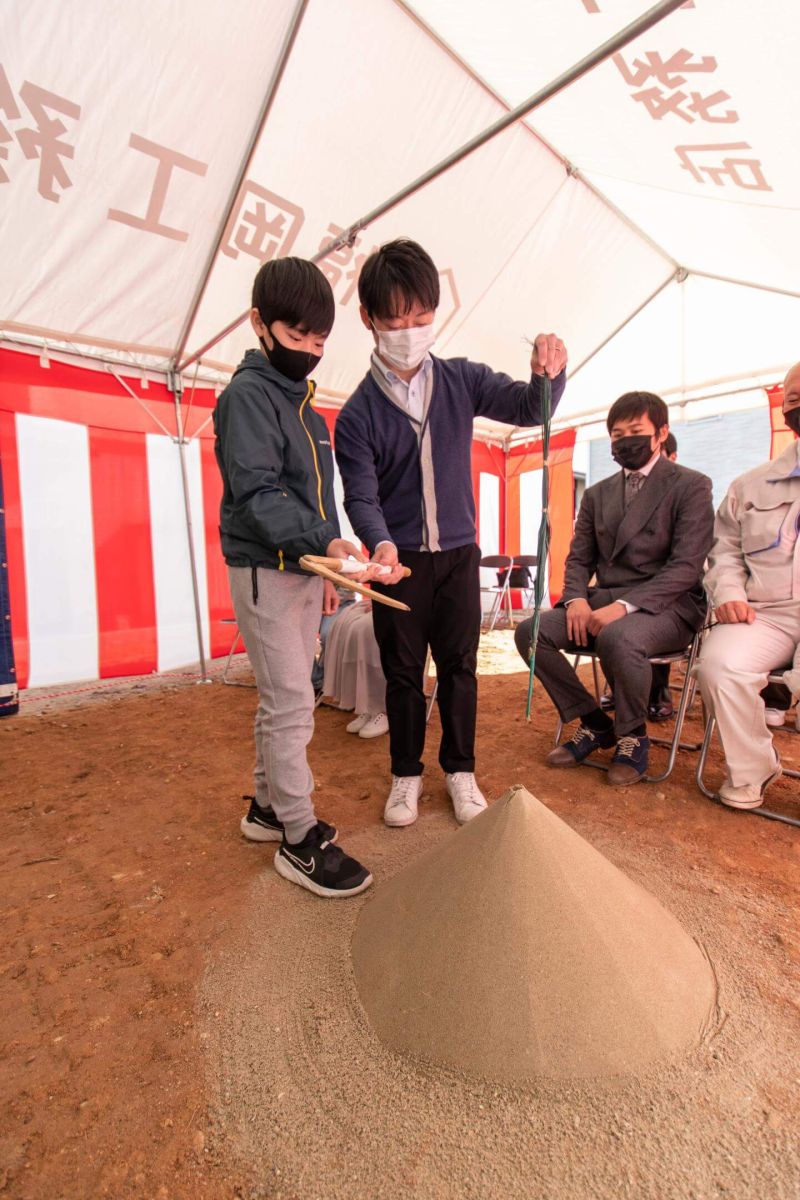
(404, 349)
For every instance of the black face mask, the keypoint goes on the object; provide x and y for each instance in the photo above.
(294, 364)
(632, 452)
(792, 419)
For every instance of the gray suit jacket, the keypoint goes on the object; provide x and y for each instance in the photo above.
(651, 554)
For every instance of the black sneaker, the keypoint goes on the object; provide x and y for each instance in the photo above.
(261, 824)
(316, 864)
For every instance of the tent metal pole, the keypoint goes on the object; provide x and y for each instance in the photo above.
(176, 388)
(252, 146)
(676, 276)
(570, 76)
(138, 400)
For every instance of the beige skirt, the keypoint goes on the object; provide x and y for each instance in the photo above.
(353, 675)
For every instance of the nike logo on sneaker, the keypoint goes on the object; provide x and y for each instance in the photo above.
(307, 867)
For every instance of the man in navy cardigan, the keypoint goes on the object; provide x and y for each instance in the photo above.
(403, 443)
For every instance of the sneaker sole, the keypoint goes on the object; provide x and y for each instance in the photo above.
(378, 733)
(258, 833)
(400, 822)
(287, 871)
(463, 820)
(745, 805)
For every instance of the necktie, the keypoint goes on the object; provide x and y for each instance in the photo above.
(633, 483)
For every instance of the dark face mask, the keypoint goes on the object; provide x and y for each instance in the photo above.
(632, 452)
(294, 364)
(792, 419)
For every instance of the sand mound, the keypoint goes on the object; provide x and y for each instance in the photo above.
(514, 949)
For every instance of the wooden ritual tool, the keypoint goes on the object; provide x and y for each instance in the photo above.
(336, 569)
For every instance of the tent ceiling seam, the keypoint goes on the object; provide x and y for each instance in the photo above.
(252, 146)
(570, 167)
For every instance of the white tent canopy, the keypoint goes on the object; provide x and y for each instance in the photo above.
(649, 212)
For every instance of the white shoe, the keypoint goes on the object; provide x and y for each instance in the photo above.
(358, 724)
(749, 795)
(401, 807)
(775, 717)
(374, 725)
(468, 799)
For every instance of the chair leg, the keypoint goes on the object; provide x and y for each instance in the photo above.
(711, 725)
(431, 701)
(675, 742)
(234, 644)
(224, 676)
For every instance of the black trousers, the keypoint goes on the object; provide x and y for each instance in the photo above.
(443, 592)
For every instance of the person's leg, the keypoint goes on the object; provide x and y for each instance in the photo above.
(454, 635)
(732, 670)
(624, 648)
(278, 627)
(556, 674)
(402, 638)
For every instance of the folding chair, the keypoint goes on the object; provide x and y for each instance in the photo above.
(234, 643)
(530, 563)
(687, 692)
(711, 725)
(500, 591)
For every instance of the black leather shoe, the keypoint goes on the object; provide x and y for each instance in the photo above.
(660, 706)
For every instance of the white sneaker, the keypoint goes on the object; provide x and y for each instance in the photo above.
(775, 717)
(749, 795)
(468, 799)
(374, 725)
(358, 724)
(401, 807)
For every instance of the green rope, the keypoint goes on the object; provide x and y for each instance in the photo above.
(543, 546)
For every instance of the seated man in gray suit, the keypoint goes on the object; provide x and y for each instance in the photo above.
(643, 535)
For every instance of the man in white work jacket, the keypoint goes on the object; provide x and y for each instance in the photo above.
(754, 585)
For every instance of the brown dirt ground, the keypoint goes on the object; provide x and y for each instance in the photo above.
(125, 878)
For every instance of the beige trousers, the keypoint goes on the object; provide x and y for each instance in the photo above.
(733, 667)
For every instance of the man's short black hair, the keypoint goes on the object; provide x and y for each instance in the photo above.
(670, 446)
(638, 404)
(295, 291)
(397, 276)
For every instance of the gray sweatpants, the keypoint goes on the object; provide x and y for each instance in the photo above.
(279, 632)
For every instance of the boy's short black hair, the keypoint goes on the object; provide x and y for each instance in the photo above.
(400, 272)
(670, 446)
(638, 404)
(295, 291)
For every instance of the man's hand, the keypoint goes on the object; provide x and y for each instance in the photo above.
(341, 548)
(735, 612)
(578, 614)
(604, 616)
(549, 356)
(386, 555)
(330, 598)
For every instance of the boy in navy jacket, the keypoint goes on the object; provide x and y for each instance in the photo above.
(274, 454)
(403, 444)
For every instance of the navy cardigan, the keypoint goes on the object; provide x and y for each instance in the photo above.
(378, 455)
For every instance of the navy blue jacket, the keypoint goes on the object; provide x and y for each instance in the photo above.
(378, 454)
(274, 453)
